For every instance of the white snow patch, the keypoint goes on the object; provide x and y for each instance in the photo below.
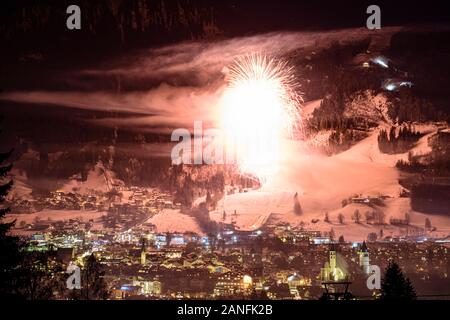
(171, 220)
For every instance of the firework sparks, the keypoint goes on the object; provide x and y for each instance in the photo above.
(260, 108)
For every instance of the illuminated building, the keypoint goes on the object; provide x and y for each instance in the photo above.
(126, 290)
(143, 257)
(294, 281)
(229, 284)
(149, 287)
(246, 282)
(173, 253)
(331, 271)
(143, 253)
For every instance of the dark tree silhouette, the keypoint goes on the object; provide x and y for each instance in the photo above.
(36, 279)
(395, 286)
(332, 234)
(9, 245)
(168, 238)
(357, 216)
(427, 223)
(297, 206)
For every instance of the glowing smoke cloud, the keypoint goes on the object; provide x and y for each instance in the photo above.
(260, 108)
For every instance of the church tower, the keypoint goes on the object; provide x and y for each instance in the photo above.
(332, 260)
(331, 270)
(364, 260)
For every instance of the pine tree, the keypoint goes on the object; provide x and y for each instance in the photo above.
(297, 206)
(407, 218)
(427, 223)
(9, 245)
(395, 286)
(410, 292)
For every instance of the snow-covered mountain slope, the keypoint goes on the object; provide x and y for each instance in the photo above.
(99, 179)
(322, 183)
(367, 149)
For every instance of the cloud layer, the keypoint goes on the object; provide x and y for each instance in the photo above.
(176, 84)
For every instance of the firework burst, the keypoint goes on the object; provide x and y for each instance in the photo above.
(261, 107)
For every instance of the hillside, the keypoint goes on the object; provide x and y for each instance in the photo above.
(322, 183)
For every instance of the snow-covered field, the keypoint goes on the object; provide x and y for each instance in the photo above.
(48, 215)
(171, 220)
